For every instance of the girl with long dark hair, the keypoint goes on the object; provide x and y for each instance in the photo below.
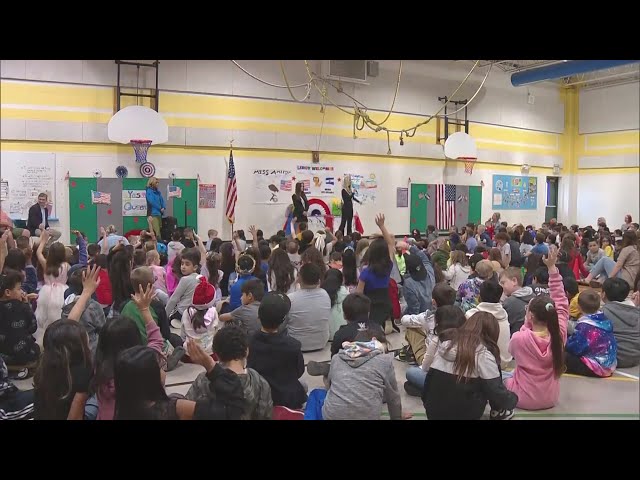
(300, 205)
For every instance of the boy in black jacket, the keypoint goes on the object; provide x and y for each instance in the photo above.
(276, 356)
(17, 323)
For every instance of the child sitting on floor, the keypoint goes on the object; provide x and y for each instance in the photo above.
(231, 346)
(592, 349)
(200, 321)
(276, 356)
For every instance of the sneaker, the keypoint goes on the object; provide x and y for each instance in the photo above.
(317, 369)
(175, 323)
(501, 414)
(405, 355)
(412, 390)
(174, 358)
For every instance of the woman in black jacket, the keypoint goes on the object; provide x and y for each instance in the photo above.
(348, 197)
(300, 205)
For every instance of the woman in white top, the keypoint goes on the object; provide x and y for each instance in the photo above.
(459, 270)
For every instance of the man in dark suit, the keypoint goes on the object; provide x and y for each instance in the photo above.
(38, 220)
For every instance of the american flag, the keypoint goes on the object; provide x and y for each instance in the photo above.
(285, 185)
(100, 198)
(307, 186)
(445, 206)
(232, 191)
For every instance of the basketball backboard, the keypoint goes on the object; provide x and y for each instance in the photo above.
(460, 145)
(137, 122)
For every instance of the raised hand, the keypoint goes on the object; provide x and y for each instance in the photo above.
(45, 236)
(90, 280)
(551, 258)
(103, 232)
(199, 356)
(380, 220)
(143, 297)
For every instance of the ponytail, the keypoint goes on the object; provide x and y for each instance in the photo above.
(544, 311)
(197, 318)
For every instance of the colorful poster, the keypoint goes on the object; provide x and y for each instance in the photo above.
(134, 203)
(320, 180)
(206, 195)
(4, 190)
(402, 197)
(515, 192)
(273, 186)
(365, 187)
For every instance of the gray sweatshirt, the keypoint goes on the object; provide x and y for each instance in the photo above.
(359, 386)
(516, 305)
(625, 318)
(183, 295)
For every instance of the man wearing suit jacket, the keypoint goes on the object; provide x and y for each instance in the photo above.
(38, 220)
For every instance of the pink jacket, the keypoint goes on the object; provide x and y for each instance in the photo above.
(533, 379)
(172, 281)
(107, 392)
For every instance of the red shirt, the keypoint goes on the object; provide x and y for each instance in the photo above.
(103, 292)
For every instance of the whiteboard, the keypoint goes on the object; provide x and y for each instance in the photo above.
(28, 174)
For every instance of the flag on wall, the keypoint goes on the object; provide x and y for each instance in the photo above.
(285, 185)
(232, 192)
(424, 205)
(100, 198)
(445, 206)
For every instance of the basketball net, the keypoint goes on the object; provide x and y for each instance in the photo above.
(140, 147)
(469, 162)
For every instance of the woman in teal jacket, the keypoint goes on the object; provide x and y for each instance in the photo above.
(155, 205)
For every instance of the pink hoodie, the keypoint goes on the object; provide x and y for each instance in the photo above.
(533, 379)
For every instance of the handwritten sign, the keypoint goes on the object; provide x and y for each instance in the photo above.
(134, 203)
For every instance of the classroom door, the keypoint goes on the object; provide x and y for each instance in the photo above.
(418, 207)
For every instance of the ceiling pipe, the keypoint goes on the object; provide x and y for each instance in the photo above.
(564, 69)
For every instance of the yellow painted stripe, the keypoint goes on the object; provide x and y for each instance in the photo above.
(33, 93)
(183, 109)
(612, 378)
(613, 139)
(611, 171)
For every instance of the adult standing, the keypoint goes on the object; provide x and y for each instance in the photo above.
(155, 205)
(38, 220)
(348, 197)
(300, 205)
(628, 222)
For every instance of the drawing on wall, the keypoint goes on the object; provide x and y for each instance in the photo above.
(365, 187)
(273, 186)
(319, 180)
(515, 192)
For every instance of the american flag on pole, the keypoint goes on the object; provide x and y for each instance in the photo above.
(100, 198)
(445, 206)
(232, 192)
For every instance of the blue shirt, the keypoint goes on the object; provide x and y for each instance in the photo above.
(235, 292)
(472, 243)
(113, 239)
(373, 281)
(540, 249)
(486, 240)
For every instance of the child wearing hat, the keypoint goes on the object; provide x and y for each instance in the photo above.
(200, 321)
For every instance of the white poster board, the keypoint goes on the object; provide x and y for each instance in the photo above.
(134, 203)
(26, 175)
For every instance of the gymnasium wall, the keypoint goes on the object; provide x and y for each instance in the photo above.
(64, 106)
(607, 171)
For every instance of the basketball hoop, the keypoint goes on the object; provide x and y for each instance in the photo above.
(140, 147)
(469, 162)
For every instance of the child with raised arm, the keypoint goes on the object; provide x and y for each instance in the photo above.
(538, 347)
(51, 298)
